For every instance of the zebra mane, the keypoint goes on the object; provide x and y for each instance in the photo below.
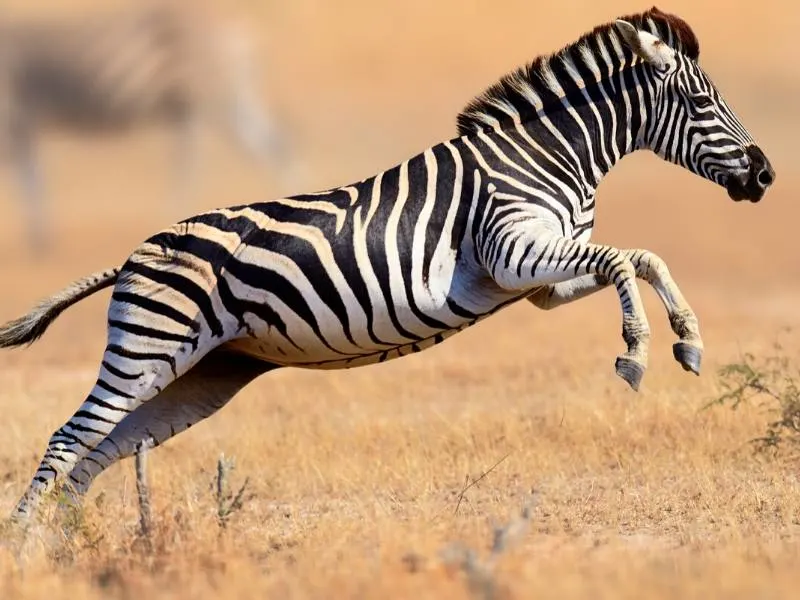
(524, 92)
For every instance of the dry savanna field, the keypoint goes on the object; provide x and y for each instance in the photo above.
(356, 480)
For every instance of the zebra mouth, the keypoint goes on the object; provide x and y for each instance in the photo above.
(737, 189)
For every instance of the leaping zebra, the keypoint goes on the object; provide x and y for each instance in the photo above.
(398, 262)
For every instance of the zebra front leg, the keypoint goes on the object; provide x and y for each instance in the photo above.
(520, 260)
(200, 393)
(549, 297)
(688, 351)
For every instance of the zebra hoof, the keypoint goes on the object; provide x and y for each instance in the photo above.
(631, 371)
(689, 356)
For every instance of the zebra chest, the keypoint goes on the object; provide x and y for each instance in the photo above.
(583, 221)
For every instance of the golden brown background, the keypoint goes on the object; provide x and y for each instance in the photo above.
(638, 495)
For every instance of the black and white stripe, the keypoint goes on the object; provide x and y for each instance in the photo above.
(401, 261)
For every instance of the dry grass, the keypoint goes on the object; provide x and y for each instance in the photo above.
(630, 491)
(355, 476)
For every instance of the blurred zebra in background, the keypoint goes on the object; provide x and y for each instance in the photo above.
(166, 62)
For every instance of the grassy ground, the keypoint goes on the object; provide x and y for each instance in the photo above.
(356, 478)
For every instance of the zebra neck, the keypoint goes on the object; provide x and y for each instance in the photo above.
(595, 125)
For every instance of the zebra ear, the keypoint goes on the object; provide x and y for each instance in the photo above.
(646, 46)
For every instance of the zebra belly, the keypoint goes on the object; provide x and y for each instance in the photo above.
(297, 320)
(321, 356)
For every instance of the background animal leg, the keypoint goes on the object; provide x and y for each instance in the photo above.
(187, 160)
(31, 185)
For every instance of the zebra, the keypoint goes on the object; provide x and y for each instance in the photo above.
(120, 68)
(403, 260)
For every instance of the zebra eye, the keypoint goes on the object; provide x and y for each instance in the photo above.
(702, 102)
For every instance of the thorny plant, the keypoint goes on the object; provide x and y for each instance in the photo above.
(774, 384)
(227, 502)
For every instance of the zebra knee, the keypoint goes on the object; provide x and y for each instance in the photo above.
(620, 272)
(650, 266)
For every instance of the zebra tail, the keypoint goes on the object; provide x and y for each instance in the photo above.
(27, 329)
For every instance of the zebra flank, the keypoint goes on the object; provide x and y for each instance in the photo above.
(398, 262)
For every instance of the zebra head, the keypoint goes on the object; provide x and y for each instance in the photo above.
(691, 124)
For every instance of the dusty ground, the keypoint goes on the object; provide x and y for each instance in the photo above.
(640, 496)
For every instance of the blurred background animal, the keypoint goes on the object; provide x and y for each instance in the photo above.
(167, 62)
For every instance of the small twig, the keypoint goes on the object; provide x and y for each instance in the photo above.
(223, 466)
(237, 502)
(142, 488)
(476, 481)
(773, 381)
(124, 494)
(227, 503)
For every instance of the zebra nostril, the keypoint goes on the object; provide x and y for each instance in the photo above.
(765, 178)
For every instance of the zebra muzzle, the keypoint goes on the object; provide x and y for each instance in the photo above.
(752, 184)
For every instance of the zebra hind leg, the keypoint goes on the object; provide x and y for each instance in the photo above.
(127, 379)
(206, 388)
